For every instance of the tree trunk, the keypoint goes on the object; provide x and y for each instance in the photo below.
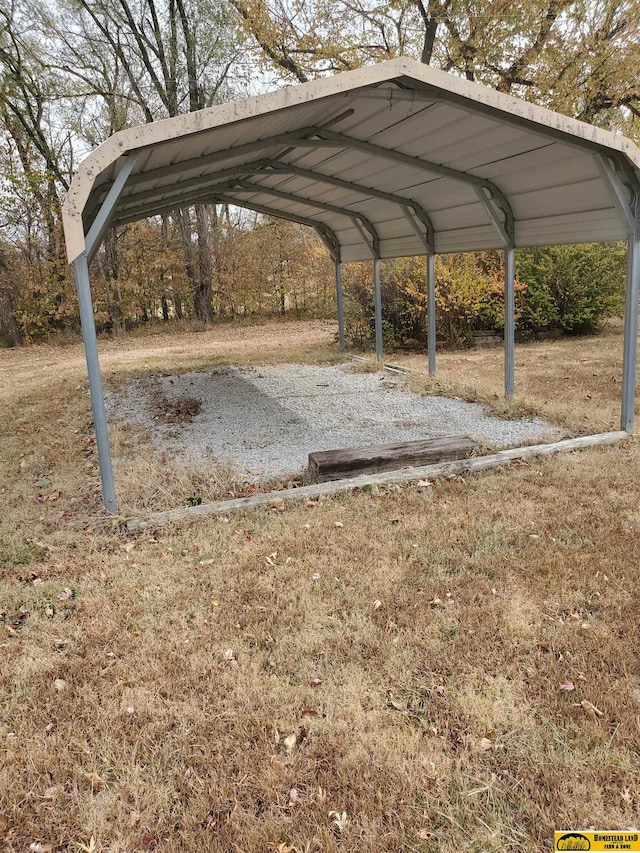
(204, 264)
(9, 331)
(165, 308)
(184, 219)
(109, 267)
(177, 306)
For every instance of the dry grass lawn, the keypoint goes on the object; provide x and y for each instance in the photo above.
(453, 667)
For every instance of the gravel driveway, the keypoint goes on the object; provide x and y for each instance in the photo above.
(265, 421)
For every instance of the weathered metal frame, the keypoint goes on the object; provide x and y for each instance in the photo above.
(93, 239)
(411, 209)
(398, 81)
(624, 188)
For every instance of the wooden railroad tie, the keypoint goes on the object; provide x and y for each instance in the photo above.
(351, 461)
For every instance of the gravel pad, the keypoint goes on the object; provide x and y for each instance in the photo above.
(266, 421)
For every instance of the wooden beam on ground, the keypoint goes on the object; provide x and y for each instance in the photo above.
(352, 461)
(406, 475)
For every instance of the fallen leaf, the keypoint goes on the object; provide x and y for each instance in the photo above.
(424, 834)
(491, 734)
(206, 561)
(65, 595)
(59, 684)
(315, 682)
(94, 779)
(49, 611)
(277, 504)
(567, 684)
(223, 519)
(290, 742)
(338, 524)
(294, 797)
(44, 481)
(147, 842)
(36, 847)
(485, 744)
(52, 793)
(11, 631)
(377, 604)
(575, 617)
(590, 709)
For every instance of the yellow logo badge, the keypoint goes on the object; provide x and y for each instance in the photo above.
(601, 840)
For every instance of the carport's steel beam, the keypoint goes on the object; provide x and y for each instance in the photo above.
(427, 241)
(320, 137)
(81, 269)
(210, 196)
(616, 186)
(431, 312)
(631, 329)
(624, 188)
(257, 168)
(340, 305)
(373, 247)
(377, 296)
(360, 220)
(423, 234)
(221, 198)
(334, 250)
(509, 321)
(104, 215)
(505, 231)
(281, 140)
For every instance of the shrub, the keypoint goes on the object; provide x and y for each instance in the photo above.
(573, 288)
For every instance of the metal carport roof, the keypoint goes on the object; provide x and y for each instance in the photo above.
(386, 161)
(374, 154)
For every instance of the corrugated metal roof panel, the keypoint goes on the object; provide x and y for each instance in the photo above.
(458, 134)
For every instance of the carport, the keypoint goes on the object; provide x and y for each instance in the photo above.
(388, 161)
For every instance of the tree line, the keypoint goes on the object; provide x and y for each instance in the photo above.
(73, 72)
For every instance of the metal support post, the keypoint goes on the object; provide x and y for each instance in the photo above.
(630, 332)
(340, 305)
(105, 214)
(378, 307)
(431, 312)
(509, 321)
(81, 269)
